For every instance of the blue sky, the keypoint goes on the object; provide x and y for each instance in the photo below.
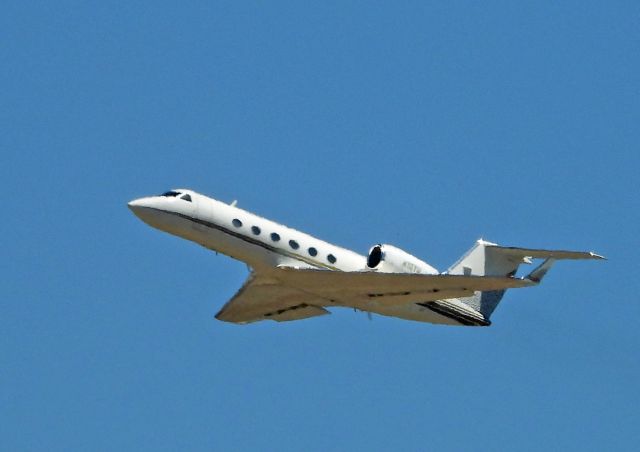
(424, 125)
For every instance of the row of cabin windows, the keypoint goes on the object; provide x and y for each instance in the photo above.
(276, 238)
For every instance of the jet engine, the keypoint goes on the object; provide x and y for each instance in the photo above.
(389, 259)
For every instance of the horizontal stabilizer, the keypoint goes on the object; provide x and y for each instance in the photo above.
(522, 253)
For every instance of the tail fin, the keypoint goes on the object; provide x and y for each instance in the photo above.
(490, 259)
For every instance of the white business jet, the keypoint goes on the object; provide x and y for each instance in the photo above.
(296, 276)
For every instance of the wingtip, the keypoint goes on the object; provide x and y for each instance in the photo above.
(597, 256)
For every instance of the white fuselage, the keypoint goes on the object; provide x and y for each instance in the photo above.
(242, 235)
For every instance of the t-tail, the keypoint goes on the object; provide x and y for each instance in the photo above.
(490, 259)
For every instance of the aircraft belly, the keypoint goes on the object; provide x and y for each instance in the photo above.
(414, 312)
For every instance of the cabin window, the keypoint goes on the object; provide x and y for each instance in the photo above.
(275, 236)
(255, 230)
(293, 244)
(313, 251)
(331, 258)
(237, 223)
(186, 197)
(170, 194)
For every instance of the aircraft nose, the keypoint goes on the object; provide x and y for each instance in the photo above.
(137, 204)
(145, 209)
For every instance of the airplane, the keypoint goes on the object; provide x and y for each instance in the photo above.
(296, 276)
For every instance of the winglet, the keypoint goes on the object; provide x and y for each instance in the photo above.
(538, 273)
(597, 256)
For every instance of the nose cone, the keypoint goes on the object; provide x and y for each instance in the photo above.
(144, 208)
(137, 205)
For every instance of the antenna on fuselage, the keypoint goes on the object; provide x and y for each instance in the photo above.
(233, 203)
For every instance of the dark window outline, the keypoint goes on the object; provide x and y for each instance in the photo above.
(171, 194)
(293, 244)
(256, 230)
(237, 223)
(331, 258)
(186, 197)
(312, 251)
(275, 236)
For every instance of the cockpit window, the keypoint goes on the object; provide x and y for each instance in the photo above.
(186, 197)
(170, 194)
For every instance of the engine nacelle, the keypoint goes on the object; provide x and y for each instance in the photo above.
(389, 259)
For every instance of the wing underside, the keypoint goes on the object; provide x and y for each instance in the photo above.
(262, 299)
(292, 294)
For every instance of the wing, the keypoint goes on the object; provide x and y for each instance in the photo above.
(292, 294)
(390, 289)
(263, 298)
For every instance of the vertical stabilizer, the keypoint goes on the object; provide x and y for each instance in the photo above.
(486, 259)
(479, 262)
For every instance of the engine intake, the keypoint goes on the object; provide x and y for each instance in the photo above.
(389, 259)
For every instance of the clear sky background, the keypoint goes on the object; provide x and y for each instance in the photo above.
(421, 124)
